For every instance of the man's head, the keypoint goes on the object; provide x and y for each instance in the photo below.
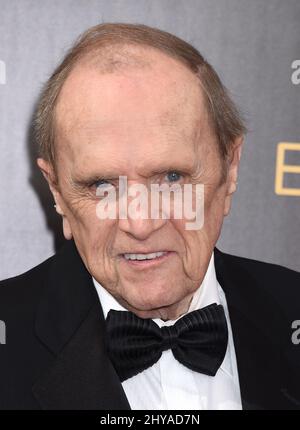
(137, 102)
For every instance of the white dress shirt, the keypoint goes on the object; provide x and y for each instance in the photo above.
(168, 384)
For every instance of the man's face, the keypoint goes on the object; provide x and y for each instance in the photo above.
(150, 125)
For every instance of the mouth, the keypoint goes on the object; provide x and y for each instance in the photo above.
(146, 260)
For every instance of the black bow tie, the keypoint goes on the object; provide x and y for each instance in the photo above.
(198, 340)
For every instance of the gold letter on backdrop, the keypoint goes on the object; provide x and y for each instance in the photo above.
(282, 168)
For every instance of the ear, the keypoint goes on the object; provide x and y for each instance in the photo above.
(50, 176)
(232, 173)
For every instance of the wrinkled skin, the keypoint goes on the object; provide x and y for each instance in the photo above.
(142, 123)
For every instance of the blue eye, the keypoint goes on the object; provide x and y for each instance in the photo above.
(101, 182)
(101, 186)
(173, 176)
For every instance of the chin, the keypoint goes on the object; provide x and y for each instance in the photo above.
(149, 302)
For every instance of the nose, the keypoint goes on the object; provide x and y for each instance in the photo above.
(138, 221)
(140, 228)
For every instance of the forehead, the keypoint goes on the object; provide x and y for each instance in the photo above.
(158, 103)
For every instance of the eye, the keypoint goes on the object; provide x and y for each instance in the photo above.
(173, 176)
(102, 185)
(100, 182)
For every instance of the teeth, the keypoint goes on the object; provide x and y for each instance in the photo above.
(144, 256)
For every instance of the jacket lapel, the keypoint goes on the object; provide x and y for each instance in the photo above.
(258, 332)
(71, 324)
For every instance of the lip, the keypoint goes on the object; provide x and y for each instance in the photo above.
(147, 263)
(144, 251)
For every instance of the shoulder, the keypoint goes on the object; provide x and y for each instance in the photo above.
(20, 295)
(260, 268)
(21, 292)
(23, 357)
(280, 282)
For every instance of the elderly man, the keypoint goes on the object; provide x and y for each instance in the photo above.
(139, 311)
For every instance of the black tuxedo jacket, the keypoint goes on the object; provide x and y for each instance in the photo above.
(54, 356)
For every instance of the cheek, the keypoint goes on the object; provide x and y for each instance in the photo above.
(194, 249)
(93, 236)
(197, 245)
(214, 213)
(98, 237)
(84, 226)
(83, 218)
(96, 248)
